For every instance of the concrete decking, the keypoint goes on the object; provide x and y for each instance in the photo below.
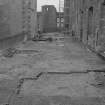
(63, 55)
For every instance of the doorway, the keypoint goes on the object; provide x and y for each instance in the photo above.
(81, 26)
(90, 23)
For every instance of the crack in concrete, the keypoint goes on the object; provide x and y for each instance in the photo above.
(22, 80)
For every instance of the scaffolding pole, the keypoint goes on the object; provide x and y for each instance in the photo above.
(61, 10)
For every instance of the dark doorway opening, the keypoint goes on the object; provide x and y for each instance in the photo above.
(81, 27)
(90, 23)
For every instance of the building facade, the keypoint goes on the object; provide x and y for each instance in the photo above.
(59, 25)
(18, 18)
(85, 19)
(49, 17)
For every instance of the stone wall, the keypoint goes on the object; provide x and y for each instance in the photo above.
(87, 21)
(49, 18)
(18, 17)
(39, 21)
(9, 42)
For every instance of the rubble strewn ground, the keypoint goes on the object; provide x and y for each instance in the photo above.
(61, 55)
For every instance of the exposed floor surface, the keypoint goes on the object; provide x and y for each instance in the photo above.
(64, 54)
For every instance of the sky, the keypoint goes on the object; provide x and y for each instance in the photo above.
(47, 2)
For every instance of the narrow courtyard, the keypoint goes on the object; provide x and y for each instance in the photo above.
(52, 73)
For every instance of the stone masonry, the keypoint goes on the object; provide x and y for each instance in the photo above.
(49, 17)
(86, 21)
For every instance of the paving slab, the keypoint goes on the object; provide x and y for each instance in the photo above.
(63, 55)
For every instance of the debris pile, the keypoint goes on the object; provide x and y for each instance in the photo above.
(50, 39)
